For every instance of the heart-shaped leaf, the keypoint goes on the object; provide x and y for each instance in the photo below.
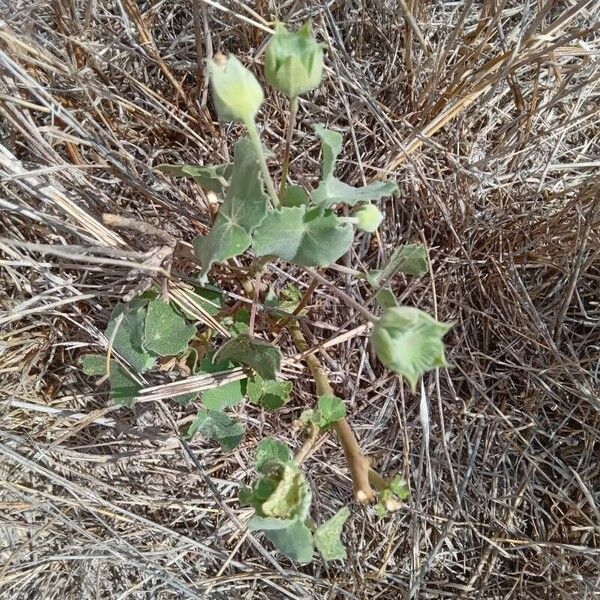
(271, 394)
(126, 329)
(261, 356)
(216, 425)
(303, 237)
(123, 387)
(269, 451)
(165, 332)
(223, 396)
(328, 536)
(295, 541)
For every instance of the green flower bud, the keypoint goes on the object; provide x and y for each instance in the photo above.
(409, 342)
(294, 61)
(236, 92)
(368, 217)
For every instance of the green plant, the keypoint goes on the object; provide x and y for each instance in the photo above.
(299, 227)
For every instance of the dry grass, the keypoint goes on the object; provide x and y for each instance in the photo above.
(487, 114)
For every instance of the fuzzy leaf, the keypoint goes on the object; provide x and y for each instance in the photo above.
(399, 487)
(386, 297)
(261, 356)
(206, 299)
(332, 408)
(295, 195)
(229, 394)
(333, 191)
(295, 541)
(410, 259)
(224, 241)
(328, 536)
(123, 387)
(304, 237)
(271, 394)
(127, 325)
(244, 208)
(291, 497)
(270, 450)
(216, 425)
(165, 332)
(213, 178)
(409, 342)
(258, 523)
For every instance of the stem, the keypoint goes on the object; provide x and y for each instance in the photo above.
(255, 139)
(288, 144)
(364, 479)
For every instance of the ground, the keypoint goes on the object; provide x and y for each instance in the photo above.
(486, 113)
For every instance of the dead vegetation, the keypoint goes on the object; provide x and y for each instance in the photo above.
(487, 114)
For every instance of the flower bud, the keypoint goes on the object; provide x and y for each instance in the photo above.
(409, 342)
(368, 217)
(294, 61)
(236, 92)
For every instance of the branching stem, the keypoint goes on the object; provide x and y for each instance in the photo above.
(364, 478)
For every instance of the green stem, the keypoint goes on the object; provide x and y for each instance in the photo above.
(288, 145)
(255, 139)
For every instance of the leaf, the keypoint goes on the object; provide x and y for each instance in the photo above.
(409, 342)
(165, 332)
(93, 364)
(331, 146)
(399, 487)
(224, 241)
(244, 208)
(386, 297)
(328, 536)
(331, 409)
(410, 259)
(185, 399)
(295, 195)
(291, 497)
(228, 394)
(333, 191)
(246, 201)
(239, 324)
(303, 237)
(261, 356)
(258, 523)
(123, 387)
(218, 426)
(127, 326)
(271, 394)
(270, 450)
(206, 299)
(296, 541)
(213, 178)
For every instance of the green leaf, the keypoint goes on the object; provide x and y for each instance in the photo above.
(331, 146)
(386, 297)
(165, 332)
(328, 536)
(244, 208)
(246, 202)
(93, 364)
(261, 356)
(270, 450)
(303, 237)
(218, 426)
(291, 497)
(223, 396)
(409, 342)
(213, 178)
(296, 541)
(399, 487)
(331, 409)
(208, 300)
(410, 259)
(127, 326)
(123, 387)
(295, 195)
(271, 394)
(185, 399)
(258, 523)
(239, 324)
(224, 241)
(333, 191)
